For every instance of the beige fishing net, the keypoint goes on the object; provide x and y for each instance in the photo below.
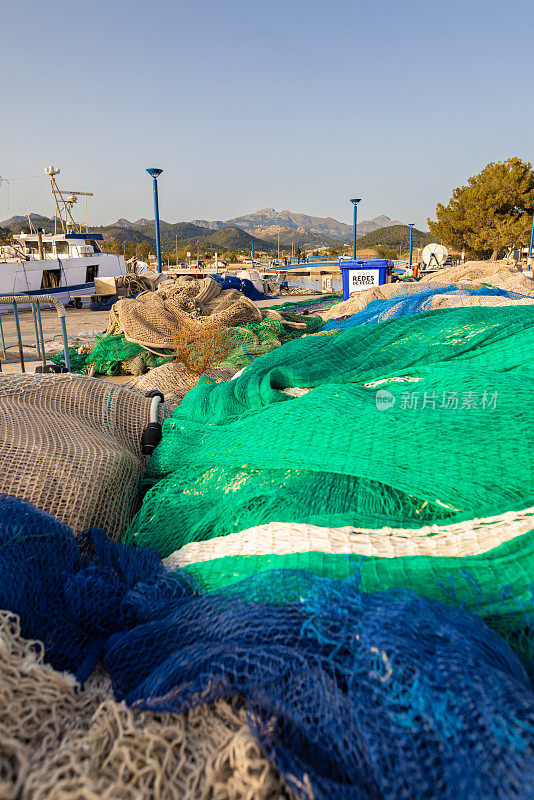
(173, 380)
(462, 539)
(462, 301)
(152, 318)
(471, 271)
(60, 742)
(71, 445)
(492, 273)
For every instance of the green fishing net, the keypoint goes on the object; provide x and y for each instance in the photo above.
(413, 421)
(258, 338)
(113, 355)
(326, 299)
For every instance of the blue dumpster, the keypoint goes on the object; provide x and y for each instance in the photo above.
(361, 274)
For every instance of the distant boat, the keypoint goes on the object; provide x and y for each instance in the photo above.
(63, 264)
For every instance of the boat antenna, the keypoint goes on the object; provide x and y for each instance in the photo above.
(65, 200)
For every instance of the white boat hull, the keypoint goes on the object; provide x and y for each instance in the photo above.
(26, 277)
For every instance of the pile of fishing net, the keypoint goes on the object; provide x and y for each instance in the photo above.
(112, 355)
(72, 446)
(381, 696)
(174, 381)
(418, 421)
(58, 740)
(467, 278)
(429, 296)
(151, 319)
(115, 353)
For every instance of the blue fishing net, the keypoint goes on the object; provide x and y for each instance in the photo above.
(382, 696)
(405, 304)
(241, 284)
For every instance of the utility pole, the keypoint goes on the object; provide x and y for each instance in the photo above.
(176, 247)
(278, 245)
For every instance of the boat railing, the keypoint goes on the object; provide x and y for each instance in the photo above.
(35, 302)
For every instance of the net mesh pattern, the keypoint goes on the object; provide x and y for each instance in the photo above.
(60, 741)
(499, 275)
(72, 446)
(425, 299)
(174, 382)
(151, 319)
(344, 696)
(247, 452)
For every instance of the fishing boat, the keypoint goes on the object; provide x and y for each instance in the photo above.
(64, 263)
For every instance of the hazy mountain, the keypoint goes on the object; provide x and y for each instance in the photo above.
(18, 224)
(212, 226)
(262, 228)
(267, 223)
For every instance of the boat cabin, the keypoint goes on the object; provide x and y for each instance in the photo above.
(70, 245)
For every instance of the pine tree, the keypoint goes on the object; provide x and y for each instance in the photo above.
(492, 213)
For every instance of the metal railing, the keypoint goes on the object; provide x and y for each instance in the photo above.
(35, 303)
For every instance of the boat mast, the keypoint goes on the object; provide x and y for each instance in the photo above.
(64, 203)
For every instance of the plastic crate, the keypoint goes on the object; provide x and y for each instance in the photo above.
(361, 274)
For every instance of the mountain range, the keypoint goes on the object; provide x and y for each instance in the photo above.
(262, 228)
(296, 228)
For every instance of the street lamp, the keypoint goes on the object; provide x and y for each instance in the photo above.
(198, 262)
(155, 173)
(531, 239)
(411, 224)
(355, 202)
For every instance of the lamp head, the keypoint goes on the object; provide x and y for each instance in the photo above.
(154, 172)
(356, 200)
(411, 224)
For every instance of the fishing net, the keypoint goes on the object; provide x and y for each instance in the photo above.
(426, 298)
(59, 741)
(413, 421)
(112, 355)
(174, 381)
(72, 446)
(473, 271)
(483, 565)
(258, 338)
(467, 276)
(316, 305)
(345, 697)
(150, 320)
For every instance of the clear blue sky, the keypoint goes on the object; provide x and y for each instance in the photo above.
(296, 105)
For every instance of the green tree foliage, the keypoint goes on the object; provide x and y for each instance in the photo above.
(142, 251)
(394, 237)
(492, 213)
(6, 237)
(386, 252)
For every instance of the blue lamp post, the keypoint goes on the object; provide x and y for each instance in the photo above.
(531, 240)
(252, 255)
(411, 224)
(355, 202)
(198, 262)
(155, 174)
